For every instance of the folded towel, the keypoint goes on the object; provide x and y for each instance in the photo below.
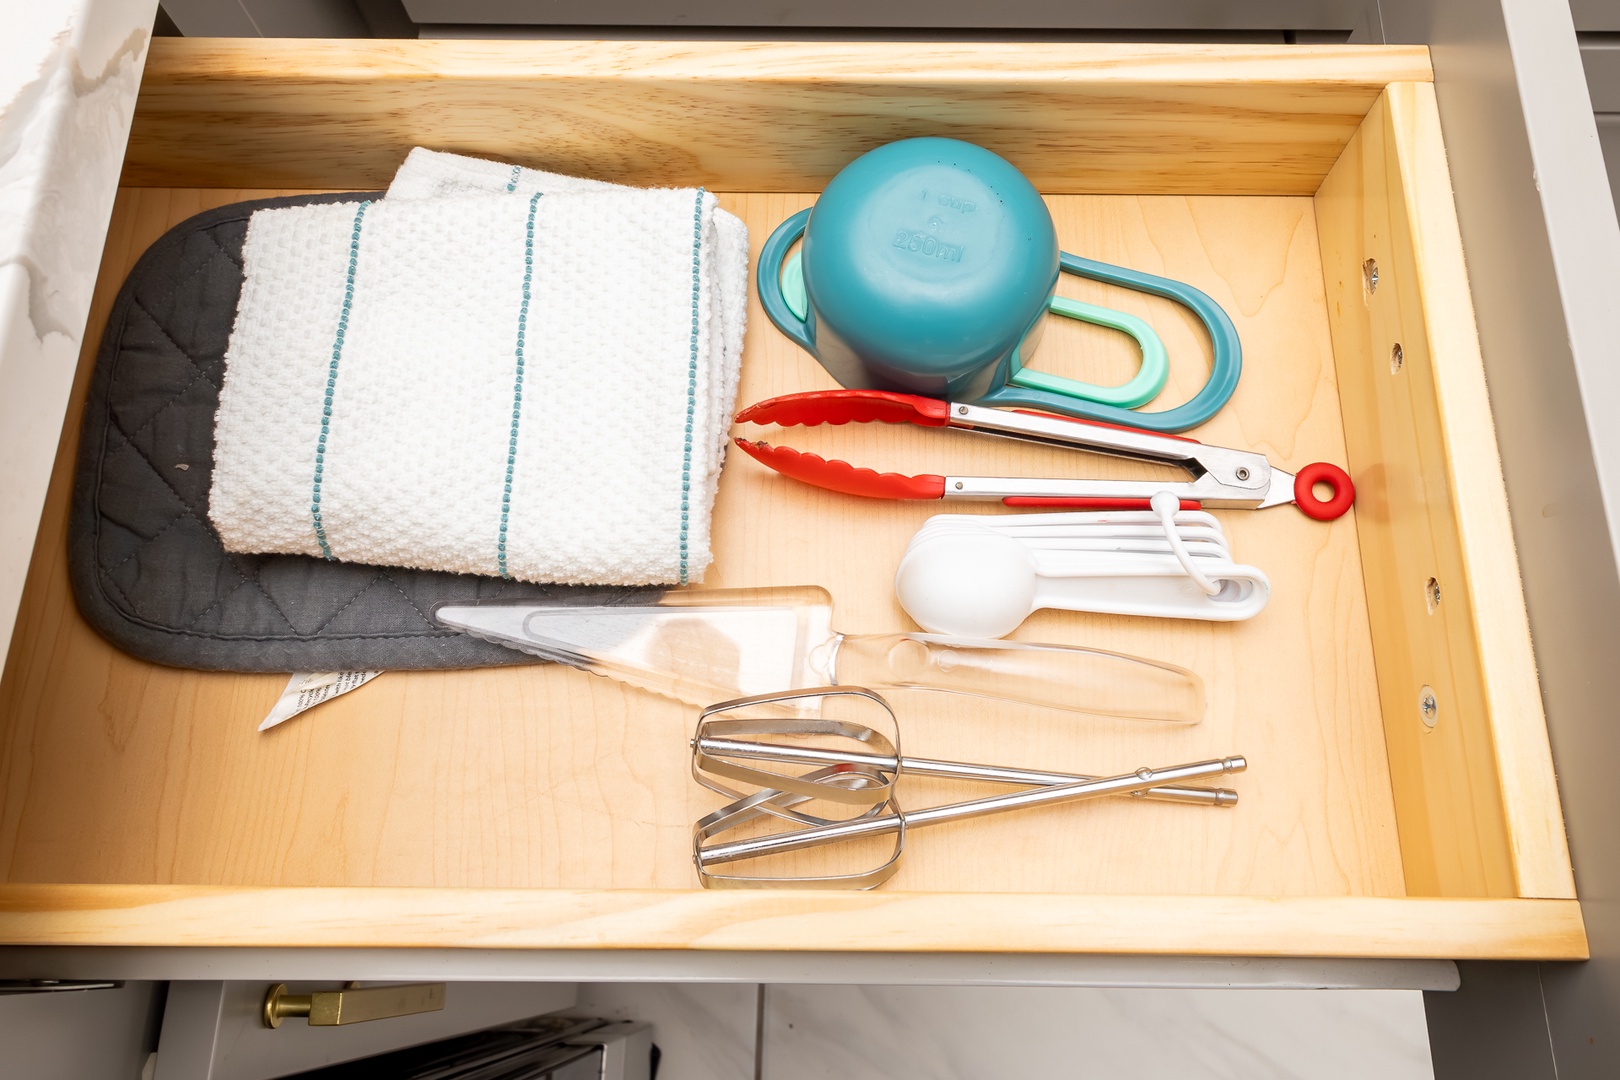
(531, 385)
(429, 174)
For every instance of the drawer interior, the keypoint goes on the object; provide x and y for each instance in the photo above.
(1268, 189)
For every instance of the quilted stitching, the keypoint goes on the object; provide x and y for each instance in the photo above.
(364, 589)
(209, 233)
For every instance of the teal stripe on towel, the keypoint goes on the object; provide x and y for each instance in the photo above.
(691, 380)
(331, 381)
(517, 381)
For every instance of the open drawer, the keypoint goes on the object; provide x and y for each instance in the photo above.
(1304, 188)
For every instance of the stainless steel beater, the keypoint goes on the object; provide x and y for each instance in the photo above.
(866, 778)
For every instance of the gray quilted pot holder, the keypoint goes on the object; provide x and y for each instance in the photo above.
(148, 571)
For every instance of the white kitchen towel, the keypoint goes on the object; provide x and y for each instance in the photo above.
(532, 386)
(427, 174)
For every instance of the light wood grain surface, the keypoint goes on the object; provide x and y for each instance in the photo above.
(756, 116)
(881, 921)
(117, 771)
(1475, 794)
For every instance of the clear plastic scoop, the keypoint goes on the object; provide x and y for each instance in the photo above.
(707, 645)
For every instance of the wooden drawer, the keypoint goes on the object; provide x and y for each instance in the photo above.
(542, 807)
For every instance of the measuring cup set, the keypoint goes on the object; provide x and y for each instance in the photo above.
(928, 265)
(981, 576)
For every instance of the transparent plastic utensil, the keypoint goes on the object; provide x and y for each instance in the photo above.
(708, 645)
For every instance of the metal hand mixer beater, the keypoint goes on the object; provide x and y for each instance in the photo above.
(852, 765)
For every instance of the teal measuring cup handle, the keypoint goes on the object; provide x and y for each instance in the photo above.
(1139, 390)
(1217, 390)
(768, 280)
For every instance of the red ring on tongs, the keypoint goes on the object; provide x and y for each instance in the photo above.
(1320, 472)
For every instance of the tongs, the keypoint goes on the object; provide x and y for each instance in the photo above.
(864, 778)
(1222, 477)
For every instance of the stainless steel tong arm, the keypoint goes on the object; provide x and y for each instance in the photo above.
(1222, 476)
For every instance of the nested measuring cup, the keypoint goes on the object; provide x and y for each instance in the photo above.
(929, 265)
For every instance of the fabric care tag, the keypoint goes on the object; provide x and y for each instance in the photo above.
(307, 689)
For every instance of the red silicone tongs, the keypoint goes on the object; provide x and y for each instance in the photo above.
(1222, 477)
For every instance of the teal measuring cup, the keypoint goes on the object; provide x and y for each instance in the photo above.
(929, 265)
(1140, 389)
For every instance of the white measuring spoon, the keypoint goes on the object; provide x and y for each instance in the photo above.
(1188, 526)
(1071, 540)
(985, 585)
(1112, 522)
(1204, 549)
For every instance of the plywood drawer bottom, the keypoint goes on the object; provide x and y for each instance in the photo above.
(541, 807)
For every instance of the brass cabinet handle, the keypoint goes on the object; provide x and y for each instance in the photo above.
(352, 1004)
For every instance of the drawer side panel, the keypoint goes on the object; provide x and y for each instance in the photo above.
(1475, 797)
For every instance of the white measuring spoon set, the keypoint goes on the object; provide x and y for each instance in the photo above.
(983, 575)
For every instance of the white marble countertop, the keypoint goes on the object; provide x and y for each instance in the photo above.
(69, 74)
